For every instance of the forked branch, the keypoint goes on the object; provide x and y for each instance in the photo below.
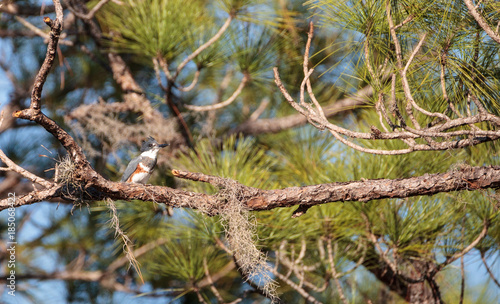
(451, 133)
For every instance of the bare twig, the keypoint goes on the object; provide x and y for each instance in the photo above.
(319, 109)
(210, 281)
(461, 253)
(200, 296)
(492, 275)
(14, 167)
(39, 32)
(334, 271)
(91, 13)
(164, 67)
(224, 103)
(157, 73)
(407, 20)
(443, 84)
(406, 86)
(32, 177)
(211, 41)
(193, 83)
(296, 287)
(260, 109)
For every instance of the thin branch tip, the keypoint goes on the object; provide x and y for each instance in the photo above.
(47, 21)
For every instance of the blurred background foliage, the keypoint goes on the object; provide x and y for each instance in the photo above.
(264, 34)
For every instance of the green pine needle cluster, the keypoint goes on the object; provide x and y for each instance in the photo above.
(156, 27)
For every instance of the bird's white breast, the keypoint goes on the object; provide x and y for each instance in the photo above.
(150, 153)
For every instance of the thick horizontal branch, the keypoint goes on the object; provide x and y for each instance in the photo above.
(93, 187)
(98, 188)
(472, 178)
(88, 185)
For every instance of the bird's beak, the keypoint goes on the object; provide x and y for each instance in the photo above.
(163, 145)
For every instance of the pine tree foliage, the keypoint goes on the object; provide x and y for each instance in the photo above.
(379, 251)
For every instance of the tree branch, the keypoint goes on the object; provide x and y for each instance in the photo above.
(211, 41)
(25, 9)
(331, 260)
(39, 32)
(481, 21)
(91, 13)
(275, 125)
(32, 177)
(95, 187)
(224, 103)
(492, 275)
(460, 254)
(442, 130)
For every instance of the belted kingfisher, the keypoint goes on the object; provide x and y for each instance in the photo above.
(140, 168)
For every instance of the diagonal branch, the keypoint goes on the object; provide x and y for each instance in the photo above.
(278, 124)
(335, 276)
(307, 296)
(91, 13)
(32, 177)
(461, 253)
(34, 113)
(481, 21)
(12, 166)
(56, 27)
(39, 32)
(211, 41)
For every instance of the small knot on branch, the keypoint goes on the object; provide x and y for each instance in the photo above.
(301, 210)
(375, 132)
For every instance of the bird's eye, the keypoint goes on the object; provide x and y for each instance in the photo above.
(150, 145)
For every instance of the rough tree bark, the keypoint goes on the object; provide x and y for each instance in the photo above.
(89, 185)
(92, 186)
